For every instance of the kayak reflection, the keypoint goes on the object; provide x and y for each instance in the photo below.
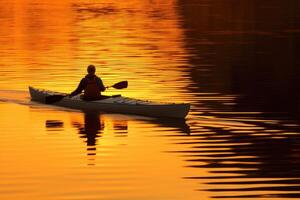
(96, 125)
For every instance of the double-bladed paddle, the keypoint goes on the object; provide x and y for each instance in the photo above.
(57, 97)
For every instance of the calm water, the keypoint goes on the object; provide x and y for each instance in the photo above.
(235, 62)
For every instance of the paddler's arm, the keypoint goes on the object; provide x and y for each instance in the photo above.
(79, 89)
(100, 84)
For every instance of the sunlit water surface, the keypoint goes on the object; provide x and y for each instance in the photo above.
(54, 153)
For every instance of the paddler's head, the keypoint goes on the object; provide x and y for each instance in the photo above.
(91, 69)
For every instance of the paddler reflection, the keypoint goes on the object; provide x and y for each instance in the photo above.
(90, 130)
(94, 127)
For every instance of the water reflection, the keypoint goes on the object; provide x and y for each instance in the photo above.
(120, 128)
(53, 125)
(90, 130)
(180, 125)
(256, 160)
(234, 61)
(93, 128)
(247, 49)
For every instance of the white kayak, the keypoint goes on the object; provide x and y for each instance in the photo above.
(116, 104)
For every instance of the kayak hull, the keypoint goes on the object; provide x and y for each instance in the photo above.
(117, 104)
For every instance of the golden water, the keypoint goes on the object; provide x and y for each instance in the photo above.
(54, 153)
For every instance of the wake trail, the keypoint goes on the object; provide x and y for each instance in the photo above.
(23, 98)
(16, 97)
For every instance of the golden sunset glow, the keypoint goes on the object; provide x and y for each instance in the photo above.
(111, 154)
(57, 40)
(48, 44)
(199, 100)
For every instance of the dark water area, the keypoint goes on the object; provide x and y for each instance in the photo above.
(246, 48)
(256, 162)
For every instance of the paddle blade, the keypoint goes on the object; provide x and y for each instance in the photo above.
(53, 98)
(121, 85)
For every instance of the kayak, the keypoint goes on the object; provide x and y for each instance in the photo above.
(115, 104)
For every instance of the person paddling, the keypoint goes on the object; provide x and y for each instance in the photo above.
(91, 84)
